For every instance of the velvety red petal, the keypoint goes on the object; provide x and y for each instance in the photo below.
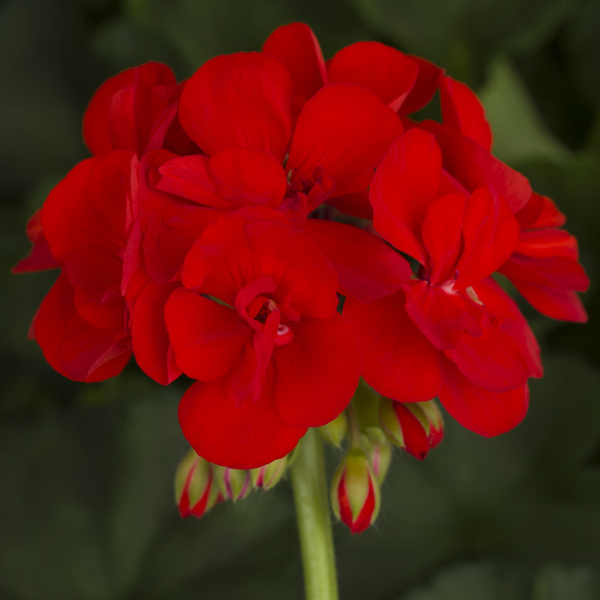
(380, 68)
(296, 46)
(366, 266)
(462, 110)
(189, 177)
(171, 233)
(398, 360)
(150, 338)
(89, 206)
(96, 275)
(540, 212)
(424, 88)
(116, 100)
(492, 361)
(239, 101)
(248, 177)
(484, 412)
(499, 305)
(490, 234)
(238, 435)
(208, 337)
(442, 317)
(40, 258)
(474, 166)
(550, 300)
(317, 373)
(344, 129)
(405, 184)
(72, 346)
(547, 243)
(442, 229)
(251, 243)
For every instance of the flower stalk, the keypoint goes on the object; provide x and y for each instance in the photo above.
(314, 521)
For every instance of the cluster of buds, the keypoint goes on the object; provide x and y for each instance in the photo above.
(371, 423)
(200, 485)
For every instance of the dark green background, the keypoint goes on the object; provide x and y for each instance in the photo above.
(86, 510)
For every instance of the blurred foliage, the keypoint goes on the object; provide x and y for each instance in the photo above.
(86, 509)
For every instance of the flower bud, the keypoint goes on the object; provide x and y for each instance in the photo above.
(355, 492)
(268, 476)
(234, 484)
(335, 431)
(380, 456)
(414, 426)
(195, 492)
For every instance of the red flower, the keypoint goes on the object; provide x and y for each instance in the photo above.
(451, 332)
(82, 324)
(136, 110)
(258, 328)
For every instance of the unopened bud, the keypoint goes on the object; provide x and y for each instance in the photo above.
(195, 492)
(234, 484)
(379, 453)
(355, 492)
(268, 476)
(335, 431)
(414, 426)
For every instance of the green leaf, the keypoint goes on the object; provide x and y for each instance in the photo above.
(519, 133)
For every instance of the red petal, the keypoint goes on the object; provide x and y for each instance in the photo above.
(490, 234)
(251, 243)
(189, 177)
(366, 266)
(462, 110)
(239, 101)
(151, 346)
(40, 258)
(499, 305)
(238, 436)
(71, 345)
(442, 229)
(296, 46)
(492, 361)
(317, 373)
(425, 86)
(124, 109)
(474, 166)
(540, 212)
(208, 338)
(89, 206)
(171, 233)
(486, 413)
(355, 205)
(345, 129)
(404, 186)
(442, 317)
(398, 360)
(248, 178)
(96, 275)
(554, 301)
(380, 68)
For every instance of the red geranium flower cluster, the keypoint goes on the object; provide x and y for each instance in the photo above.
(200, 237)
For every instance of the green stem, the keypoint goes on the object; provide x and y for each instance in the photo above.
(314, 522)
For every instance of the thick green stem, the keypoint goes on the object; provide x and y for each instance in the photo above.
(314, 522)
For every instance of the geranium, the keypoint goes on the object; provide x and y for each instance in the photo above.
(451, 331)
(258, 328)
